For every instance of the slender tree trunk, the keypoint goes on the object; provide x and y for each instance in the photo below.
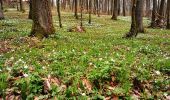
(133, 30)
(161, 14)
(148, 4)
(154, 14)
(1, 11)
(90, 10)
(139, 16)
(1, 4)
(59, 14)
(42, 19)
(115, 10)
(81, 21)
(21, 5)
(124, 7)
(30, 10)
(168, 14)
(75, 8)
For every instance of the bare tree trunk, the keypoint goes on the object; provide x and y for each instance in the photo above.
(154, 14)
(1, 11)
(42, 19)
(59, 14)
(75, 8)
(124, 7)
(81, 21)
(168, 14)
(139, 16)
(161, 14)
(133, 31)
(30, 10)
(21, 5)
(115, 10)
(90, 10)
(1, 4)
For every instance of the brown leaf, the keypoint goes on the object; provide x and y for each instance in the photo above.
(87, 84)
(47, 86)
(55, 81)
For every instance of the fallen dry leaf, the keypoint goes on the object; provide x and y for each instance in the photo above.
(87, 84)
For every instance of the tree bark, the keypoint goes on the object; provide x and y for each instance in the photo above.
(30, 9)
(1, 11)
(161, 14)
(59, 13)
(90, 10)
(139, 16)
(75, 9)
(168, 14)
(115, 10)
(133, 30)
(42, 19)
(124, 7)
(154, 12)
(81, 16)
(21, 5)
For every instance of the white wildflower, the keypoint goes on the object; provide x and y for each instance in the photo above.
(84, 52)
(25, 75)
(100, 59)
(43, 67)
(112, 60)
(90, 63)
(25, 67)
(83, 94)
(106, 62)
(158, 72)
(9, 69)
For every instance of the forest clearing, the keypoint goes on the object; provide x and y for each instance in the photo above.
(94, 61)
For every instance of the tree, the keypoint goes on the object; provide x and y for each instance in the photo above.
(161, 14)
(1, 5)
(90, 10)
(81, 20)
(133, 30)
(168, 15)
(30, 9)
(1, 11)
(124, 7)
(115, 10)
(21, 5)
(59, 13)
(42, 19)
(75, 8)
(139, 16)
(154, 14)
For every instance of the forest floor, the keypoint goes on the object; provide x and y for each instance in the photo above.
(96, 64)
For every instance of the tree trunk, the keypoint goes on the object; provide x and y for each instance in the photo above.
(30, 10)
(124, 7)
(81, 20)
(168, 14)
(59, 14)
(148, 4)
(1, 11)
(42, 19)
(90, 10)
(154, 12)
(75, 9)
(161, 14)
(139, 16)
(133, 31)
(21, 5)
(1, 5)
(115, 10)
